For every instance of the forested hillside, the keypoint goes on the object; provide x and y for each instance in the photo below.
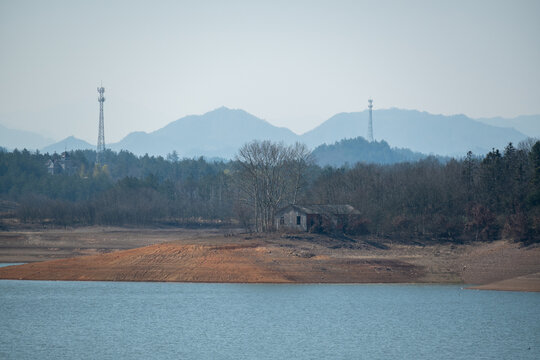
(477, 198)
(352, 151)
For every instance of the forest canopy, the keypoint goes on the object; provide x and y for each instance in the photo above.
(470, 199)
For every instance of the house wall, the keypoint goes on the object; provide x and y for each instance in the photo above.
(289, 222)
(286, 219)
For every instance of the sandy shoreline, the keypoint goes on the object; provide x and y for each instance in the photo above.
(180, 255)
(528, 283)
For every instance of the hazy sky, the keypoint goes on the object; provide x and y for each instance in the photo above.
(293, 63)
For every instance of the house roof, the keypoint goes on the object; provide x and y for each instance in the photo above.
(324, 209)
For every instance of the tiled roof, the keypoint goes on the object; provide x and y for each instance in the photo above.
(324, 209)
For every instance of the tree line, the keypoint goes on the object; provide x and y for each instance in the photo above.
(123, 190)
(470, 199)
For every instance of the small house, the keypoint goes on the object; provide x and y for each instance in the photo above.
(50, 166)
(60, 166)
(54, 167)
(306, 217)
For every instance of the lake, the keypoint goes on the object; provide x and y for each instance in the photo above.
(115, 320)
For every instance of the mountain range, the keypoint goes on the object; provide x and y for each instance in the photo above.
(219, 133)
(418, 131)
(527, 124)
(12, 138)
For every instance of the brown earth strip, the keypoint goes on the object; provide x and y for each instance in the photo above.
(247, 263)
(219, 255)
(31, 245)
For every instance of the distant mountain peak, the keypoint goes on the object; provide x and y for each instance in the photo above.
(224, 109)
(69, 143)
(219, 132)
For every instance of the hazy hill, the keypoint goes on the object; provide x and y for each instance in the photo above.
(20, 139)
(217, 133)
(527, 124)
(351, 151)
(419, 131)
(69, 143)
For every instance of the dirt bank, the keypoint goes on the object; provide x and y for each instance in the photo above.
(529, 283)
(32, 245)
(244, 263)
(215, 256)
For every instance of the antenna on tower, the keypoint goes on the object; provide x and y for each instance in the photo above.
(370, 124)
(101, 133)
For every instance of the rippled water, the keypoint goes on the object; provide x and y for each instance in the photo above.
(114, 320)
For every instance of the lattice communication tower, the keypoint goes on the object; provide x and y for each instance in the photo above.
(101, 133)
(370, 124)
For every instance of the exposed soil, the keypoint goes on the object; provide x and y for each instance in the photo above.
(227, 256)
(33, 244)
(530, 282)
(246, 263)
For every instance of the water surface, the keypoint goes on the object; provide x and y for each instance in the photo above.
(115, 320)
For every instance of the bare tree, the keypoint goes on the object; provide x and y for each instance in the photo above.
(270, 175)
(301, 159)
